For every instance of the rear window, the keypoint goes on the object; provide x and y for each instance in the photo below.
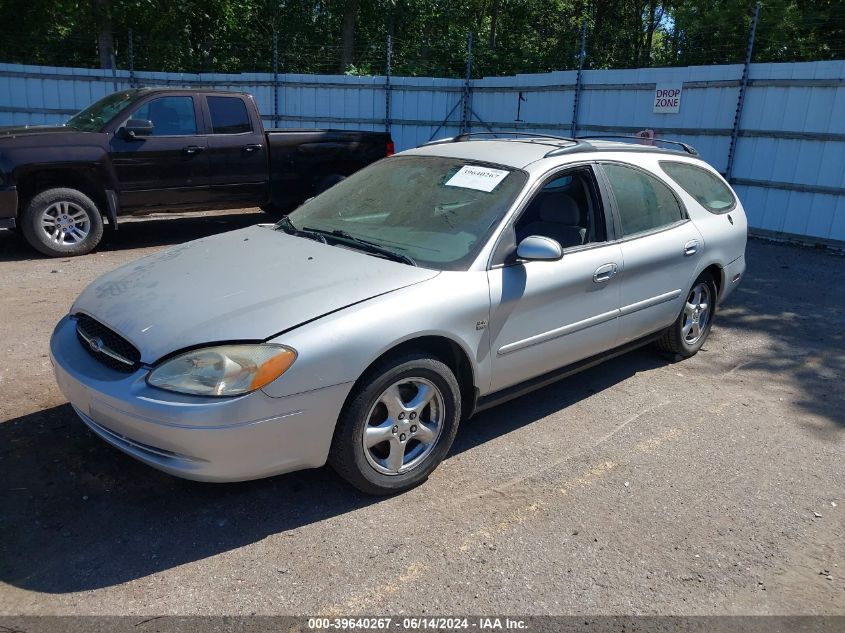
(228, 115)
(706, 188)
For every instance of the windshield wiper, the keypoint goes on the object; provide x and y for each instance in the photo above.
(287, 226)
(365, 245)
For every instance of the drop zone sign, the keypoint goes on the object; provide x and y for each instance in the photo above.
(667, 98)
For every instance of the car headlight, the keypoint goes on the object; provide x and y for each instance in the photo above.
(224, 370)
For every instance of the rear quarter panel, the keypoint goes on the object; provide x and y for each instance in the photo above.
(725, 235)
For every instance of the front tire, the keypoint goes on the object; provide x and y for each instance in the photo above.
(397, 425)
(692, 327)
(62, 222)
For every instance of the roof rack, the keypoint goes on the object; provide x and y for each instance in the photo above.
(574, 145)
(689, 149)
(469, 135)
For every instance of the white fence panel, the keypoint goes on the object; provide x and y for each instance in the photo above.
(789, 160)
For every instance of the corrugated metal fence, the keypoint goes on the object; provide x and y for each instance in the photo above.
(789, 158)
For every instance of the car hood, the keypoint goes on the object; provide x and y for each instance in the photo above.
(244, 285)
(31, 130)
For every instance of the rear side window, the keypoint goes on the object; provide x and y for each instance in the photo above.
(710, 192)
(644, 203)
(228, 115)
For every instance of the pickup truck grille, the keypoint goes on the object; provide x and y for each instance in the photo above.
(108, 347)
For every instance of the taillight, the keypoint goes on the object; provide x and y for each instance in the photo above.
(391, 148)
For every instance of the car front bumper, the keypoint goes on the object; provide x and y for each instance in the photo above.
(200, 438)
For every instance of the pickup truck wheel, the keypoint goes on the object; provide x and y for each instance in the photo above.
(327, 182)
(398, 425)
(60, 222)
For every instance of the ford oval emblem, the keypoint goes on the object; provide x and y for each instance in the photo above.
(96, 344)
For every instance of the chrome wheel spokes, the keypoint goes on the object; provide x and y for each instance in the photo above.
(65, 223)
(403, 425)
(696, 313)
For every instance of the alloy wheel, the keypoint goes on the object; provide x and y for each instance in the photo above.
(65, 223)
(403, 425)
(696, 313)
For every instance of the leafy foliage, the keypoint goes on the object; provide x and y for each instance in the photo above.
(429, 36)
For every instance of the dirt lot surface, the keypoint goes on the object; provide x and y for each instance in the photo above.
(712, 485)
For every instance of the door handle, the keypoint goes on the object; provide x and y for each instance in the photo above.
(690, 248)
(190, 150)
(604, 273)
(252, 147)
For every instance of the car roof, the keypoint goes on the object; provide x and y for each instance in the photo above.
(148, 90)
(521, 152)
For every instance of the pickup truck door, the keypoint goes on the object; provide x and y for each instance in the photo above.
(237, 149)
(169, 168)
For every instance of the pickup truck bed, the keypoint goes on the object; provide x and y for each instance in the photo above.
(146, 150)
(322, 155)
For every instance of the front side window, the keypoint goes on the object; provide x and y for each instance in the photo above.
(171, 116)
(438, 211)
(228, 115)
(644, 203)
(710, 192)
(566, 209)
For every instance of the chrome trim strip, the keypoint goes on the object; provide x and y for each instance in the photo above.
(647, 303)
(558, 332)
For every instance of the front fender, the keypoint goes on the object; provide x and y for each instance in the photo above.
(339, 347)
(89, 158)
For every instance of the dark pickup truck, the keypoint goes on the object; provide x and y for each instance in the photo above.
(146, 150)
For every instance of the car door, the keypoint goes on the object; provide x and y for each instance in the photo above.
(660, 249)
(547, 314)
(169, 167)
(237, 153)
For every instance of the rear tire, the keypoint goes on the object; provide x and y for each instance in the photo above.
(62, 222)
(692, 327)
(397, 425)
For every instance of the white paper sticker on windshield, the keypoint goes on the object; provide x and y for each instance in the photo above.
(479, 178)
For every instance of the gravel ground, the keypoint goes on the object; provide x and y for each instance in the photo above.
(709, 486)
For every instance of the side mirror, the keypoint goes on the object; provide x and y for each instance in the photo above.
(537, 247)
(137, 127)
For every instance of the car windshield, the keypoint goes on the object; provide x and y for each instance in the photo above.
(437, 211)
(96, 115)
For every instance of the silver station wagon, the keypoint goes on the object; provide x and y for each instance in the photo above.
(361, 329)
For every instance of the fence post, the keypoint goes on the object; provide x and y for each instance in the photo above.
(275, 78)
(581, 55)
(466, 122)
(130, 53)
(742, 86)
(387, 94)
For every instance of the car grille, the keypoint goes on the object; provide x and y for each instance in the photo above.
(108, 347)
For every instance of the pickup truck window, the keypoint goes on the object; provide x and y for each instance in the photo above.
(228, 115)
(96, 115)
(171, 116)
